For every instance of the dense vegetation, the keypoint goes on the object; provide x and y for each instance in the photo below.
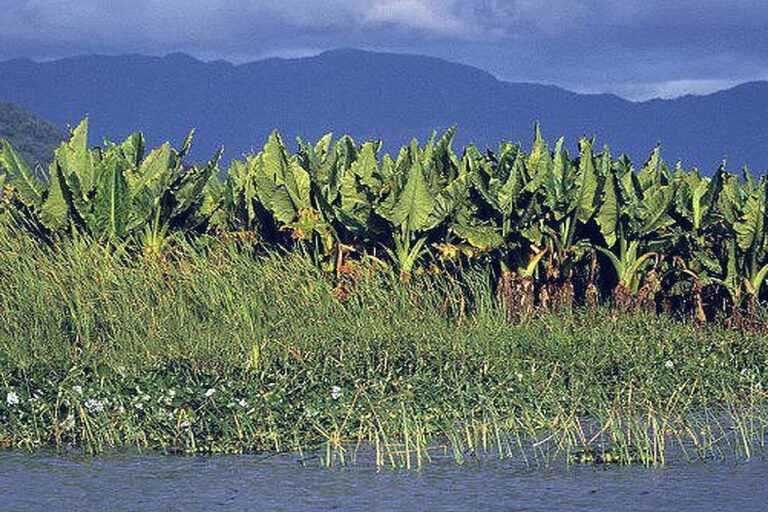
(222, 350)
(551, 228)
(34, 138)
(335, 296)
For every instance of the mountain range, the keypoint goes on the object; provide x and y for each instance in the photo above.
(392, 97)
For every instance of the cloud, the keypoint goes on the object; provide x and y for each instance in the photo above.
(640, 91)
(579, 44)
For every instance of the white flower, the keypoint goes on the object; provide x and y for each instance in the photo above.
(519, 376)
(210, 392)
(335, 392)
(243, 403)
(77, 389)
(69, 422)
(94, 406)
(171, 392)
(12, 399)
(139, 405)
(669, 365)
(184, 424)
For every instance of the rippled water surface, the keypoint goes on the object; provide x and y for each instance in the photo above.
(141, 482)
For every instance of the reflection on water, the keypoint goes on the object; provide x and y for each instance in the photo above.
(148, 482)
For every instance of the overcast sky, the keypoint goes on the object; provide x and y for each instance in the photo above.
(637, 49)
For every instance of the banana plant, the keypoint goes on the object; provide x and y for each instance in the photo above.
(533, 216)
(570, 193)
(21, 192)
(509, 203)
(409, 210)
(634, 218)
(745, 262)
(275, 182)
(628, 267)
(112, 193)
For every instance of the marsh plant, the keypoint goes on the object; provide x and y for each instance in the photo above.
(102, 350)
(334, 298)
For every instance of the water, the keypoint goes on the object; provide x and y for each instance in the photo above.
(136, 483)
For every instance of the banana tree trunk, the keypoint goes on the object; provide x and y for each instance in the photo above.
(622, 298)
(699, 315)
(591, 297)
(591, 293)
(517, 295)
(646, 296)
(750, 318)
(506, 294)
(546, 294)
(524, 293)
(565, 295)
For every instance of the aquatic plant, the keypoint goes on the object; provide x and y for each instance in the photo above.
(99, 350)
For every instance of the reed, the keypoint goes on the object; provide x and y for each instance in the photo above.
(229, 350)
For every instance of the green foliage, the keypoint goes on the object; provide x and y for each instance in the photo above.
(114, 193)
(216, 350)
(536, 215)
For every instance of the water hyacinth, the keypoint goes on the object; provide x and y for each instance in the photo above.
(94, 406)
(12, 399)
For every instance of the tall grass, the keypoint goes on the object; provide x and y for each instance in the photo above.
(225, 349)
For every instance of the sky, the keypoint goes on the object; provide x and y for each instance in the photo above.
(636, 49)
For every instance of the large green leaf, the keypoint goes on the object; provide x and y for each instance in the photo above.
(274, 158)
(586, 183)
(148, 184)
(750, 227)
(482, 237)
(513, 186)
(276, 199)
(54, 212)
(415, 204)
(76, 163)
(365, 166)
(112, 202)
(322, 145)
(608, 215)
(133, 149)
(297, 183)
(655, 209)
(650, 173)
(539, 150)
(28, 188)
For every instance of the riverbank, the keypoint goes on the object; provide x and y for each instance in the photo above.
(231, 351)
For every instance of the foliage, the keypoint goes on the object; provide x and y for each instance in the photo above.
(102, 350)
(553, 228)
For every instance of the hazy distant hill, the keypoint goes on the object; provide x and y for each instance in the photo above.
(387, 96)
(33, 137)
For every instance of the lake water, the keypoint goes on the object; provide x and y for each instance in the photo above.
(131, 482)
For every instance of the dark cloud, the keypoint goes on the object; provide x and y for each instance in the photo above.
(636, 49)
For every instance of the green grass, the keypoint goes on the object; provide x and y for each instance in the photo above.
(104, 350)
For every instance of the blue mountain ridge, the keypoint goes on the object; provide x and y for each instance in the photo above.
(392, 97)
